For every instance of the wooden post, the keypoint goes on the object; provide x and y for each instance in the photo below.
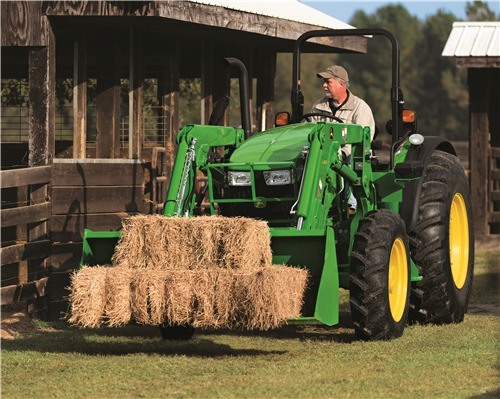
(265, 90)
(135, 130)
(479, 86)
(207, 100)
(42, 87)
(108, 99)
(80, 95)
(168, 91)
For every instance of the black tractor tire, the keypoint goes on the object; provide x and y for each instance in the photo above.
(442, 244)
(177, 333)
(379, 280)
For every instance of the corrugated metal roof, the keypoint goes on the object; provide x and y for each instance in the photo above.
(473, 39)
(291, 10)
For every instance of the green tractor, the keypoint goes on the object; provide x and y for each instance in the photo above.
(405, 255)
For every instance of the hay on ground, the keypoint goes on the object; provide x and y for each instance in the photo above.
(155, 241)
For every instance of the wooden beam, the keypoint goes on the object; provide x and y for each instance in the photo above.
(477, 62)
(26, 251)
(265, 89)
(69, 227)
(25, 176)
(25, 214)
(22, 292)
(479, 146)
(90, 173)
(80, 95)
(22, 23)
(85, 200)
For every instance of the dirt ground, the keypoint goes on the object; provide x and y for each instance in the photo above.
(15, 321)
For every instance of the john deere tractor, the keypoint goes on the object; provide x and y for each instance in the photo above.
(405, 254)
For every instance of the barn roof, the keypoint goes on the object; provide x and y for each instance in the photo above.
(291, 10)
(473, 39)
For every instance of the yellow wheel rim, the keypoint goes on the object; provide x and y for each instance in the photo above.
(398, 279)
(459, 240)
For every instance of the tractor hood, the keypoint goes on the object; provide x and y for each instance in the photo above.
(276, 145)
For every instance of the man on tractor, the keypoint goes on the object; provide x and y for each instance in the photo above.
(340, 102)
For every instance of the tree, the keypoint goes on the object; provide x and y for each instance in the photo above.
(480, 11)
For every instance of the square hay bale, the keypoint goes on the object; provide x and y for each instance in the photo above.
(213, 298)
(88, 296)
(118, 309)
(205, 242)
(161, 296)
(268, 297)
(207, 298)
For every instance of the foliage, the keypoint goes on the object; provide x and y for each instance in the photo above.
(480, 11)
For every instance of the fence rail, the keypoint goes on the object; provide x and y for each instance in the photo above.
(494, 191)
(24, 249)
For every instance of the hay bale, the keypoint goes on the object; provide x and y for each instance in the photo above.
(118, 309)
(268, 297)
(205, 242)
(179, 297)
(161, 296)
(213, 298)
(208, 298)
(88, 296)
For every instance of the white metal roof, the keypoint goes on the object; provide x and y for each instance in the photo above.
(473, 39)
(291, 10)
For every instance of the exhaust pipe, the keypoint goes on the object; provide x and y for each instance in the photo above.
(244, 94)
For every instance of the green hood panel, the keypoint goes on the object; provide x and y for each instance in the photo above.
(276, 145)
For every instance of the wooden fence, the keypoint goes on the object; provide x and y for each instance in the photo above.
(88, 193)
(494, 191)
(25, 214)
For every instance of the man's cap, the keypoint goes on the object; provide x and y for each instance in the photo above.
(334, 71)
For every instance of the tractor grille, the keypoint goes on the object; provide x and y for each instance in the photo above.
(276, 212)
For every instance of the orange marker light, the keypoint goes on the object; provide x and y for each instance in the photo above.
(408, 116)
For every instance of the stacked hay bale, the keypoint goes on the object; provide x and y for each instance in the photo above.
(204, 271)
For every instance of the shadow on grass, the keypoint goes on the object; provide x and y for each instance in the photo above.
(123, 342)
(342, 332)
(58, 337)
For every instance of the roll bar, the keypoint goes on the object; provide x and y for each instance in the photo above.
(397, 100)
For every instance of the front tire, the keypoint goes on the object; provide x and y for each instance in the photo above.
(442, 244)
(380, 277)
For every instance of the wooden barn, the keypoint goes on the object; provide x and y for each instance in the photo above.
(93, 95)
(476, 46)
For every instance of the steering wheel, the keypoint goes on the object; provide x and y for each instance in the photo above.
(308, 117)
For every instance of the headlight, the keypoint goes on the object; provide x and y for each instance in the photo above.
(239, 178)
(278, 177)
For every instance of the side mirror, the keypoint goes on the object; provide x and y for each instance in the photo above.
(282, 119)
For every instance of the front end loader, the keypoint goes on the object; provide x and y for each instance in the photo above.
(405, 254)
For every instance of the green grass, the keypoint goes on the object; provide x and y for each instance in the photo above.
(453, 361)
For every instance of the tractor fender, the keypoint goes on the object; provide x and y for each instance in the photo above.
(408, 209)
